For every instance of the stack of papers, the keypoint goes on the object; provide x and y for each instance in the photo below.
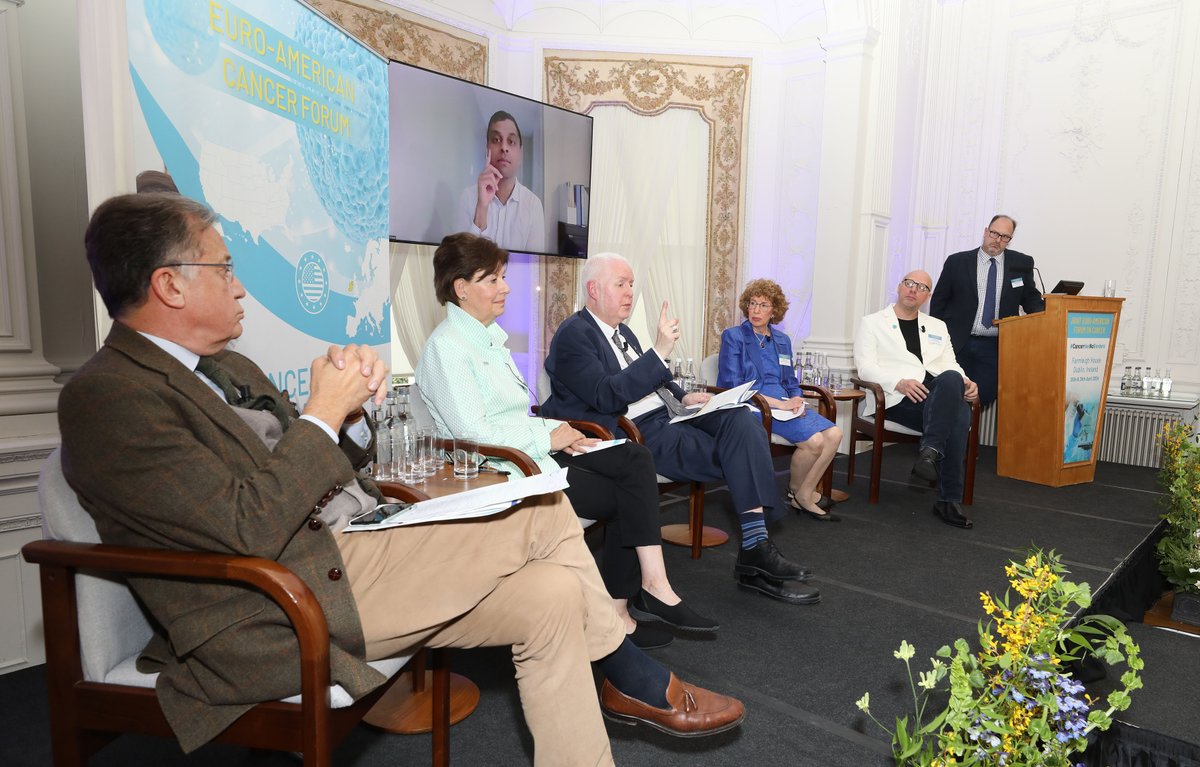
(738, 396)
(480, 502)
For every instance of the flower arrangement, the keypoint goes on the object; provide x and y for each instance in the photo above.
(1011, 702)
(1179, 548)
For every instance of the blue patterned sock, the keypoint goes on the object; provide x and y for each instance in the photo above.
(754, 529)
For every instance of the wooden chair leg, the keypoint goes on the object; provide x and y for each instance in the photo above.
(441, 709)
(876, 467)
(853, 453)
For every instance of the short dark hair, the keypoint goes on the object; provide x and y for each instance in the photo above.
(131, 235)
(461, 256)
(1000, 216)
(501, 116)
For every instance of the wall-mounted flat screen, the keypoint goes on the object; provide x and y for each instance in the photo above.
(465, 157)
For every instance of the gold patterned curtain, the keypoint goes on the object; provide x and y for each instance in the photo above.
(718, 89)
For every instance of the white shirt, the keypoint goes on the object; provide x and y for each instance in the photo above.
(518, 225)
(650, 401)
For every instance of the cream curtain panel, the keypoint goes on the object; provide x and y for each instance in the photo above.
(649, 201)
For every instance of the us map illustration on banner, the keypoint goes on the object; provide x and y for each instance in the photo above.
(276, 119)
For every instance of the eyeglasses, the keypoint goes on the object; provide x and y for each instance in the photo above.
(226, 265)
(920, 287)
(760, 305)
(1001, 237)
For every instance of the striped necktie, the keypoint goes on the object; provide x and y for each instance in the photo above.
(674, 406)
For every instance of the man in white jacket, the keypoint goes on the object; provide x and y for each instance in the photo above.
(909, 354)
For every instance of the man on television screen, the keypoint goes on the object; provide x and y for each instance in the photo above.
(499, 207)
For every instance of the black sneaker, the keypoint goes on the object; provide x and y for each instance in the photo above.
(764, 559)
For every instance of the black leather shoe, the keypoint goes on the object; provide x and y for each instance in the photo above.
(951, 514)
(826, 500)
(647, 607)
(784, 591)
(648, 637)
(765, 559)
(825, 503)
(926, 466)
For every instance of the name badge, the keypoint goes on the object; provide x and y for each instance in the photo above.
(1017, 282)
(784, 361)
(934, 338)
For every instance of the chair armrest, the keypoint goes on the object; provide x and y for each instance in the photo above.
(280, 585)
(401, 491)
(587, 427)
(631, 430)
(518, 457)
(875, 390)
(826, 404)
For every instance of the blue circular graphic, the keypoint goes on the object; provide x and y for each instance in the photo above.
(312, 282)
(350, 180)
(183, 33)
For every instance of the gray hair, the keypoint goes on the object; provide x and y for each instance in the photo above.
(595, 264)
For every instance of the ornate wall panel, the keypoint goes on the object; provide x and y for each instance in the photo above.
(718, 89)
(1087, 146)
(410, 38)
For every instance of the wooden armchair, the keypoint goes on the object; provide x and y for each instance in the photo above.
(95, 629)
(826, 406)
(870, 422)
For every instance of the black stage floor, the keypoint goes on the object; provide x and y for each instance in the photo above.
(886, 573)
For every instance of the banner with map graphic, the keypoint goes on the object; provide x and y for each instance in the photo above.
(278, 120)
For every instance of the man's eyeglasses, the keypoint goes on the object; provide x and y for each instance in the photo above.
(920, 287)
(760, 305)
(1001, 237)
(226, 265)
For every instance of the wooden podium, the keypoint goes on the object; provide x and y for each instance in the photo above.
(1054, 369)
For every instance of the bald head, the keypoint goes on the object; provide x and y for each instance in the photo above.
(912, 293)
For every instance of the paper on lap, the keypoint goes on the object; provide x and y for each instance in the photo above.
(480, 502)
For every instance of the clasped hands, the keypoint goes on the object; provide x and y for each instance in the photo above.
(917, 391)
(570, 440)
(342, 380)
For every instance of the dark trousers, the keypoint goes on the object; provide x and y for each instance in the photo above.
(617, 486)
(943, 420)
(981, 362)
(729, 445)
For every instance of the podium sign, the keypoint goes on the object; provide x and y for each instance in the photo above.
(1054, 370)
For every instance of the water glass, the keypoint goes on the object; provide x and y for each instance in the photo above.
(429, 451)
(1110, 288)
(382, 469)
(410, 460)
(835, 382)
(466, 458)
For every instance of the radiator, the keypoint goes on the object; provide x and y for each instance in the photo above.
(1130, 435)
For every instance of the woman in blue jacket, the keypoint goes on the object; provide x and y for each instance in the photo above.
(755, 350)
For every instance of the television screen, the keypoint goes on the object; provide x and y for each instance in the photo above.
(465, 157)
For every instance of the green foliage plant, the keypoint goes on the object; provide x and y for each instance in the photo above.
(1012, 702)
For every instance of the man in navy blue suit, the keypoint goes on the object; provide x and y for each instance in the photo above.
(977, 287)
(598, 373)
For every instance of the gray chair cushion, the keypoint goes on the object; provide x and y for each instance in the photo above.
(866, 409)
(112, 625)
(113, 629)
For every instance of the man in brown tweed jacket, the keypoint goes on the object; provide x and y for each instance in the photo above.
(160, 459)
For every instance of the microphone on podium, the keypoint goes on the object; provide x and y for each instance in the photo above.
(1039, 274)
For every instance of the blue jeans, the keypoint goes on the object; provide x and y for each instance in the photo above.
(943, 419)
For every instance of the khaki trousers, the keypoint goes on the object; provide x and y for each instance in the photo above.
(522, 578)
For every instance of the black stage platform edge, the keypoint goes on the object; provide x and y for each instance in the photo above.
(1127, 745)
(1135, 585)
(1127, 594)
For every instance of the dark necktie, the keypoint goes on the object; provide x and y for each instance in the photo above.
(989, 296)
(674, 406)
(220, 376)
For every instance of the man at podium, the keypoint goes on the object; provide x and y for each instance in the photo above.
(909, 354)
(977, 287)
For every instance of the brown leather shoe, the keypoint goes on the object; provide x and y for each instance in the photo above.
(694, 712)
